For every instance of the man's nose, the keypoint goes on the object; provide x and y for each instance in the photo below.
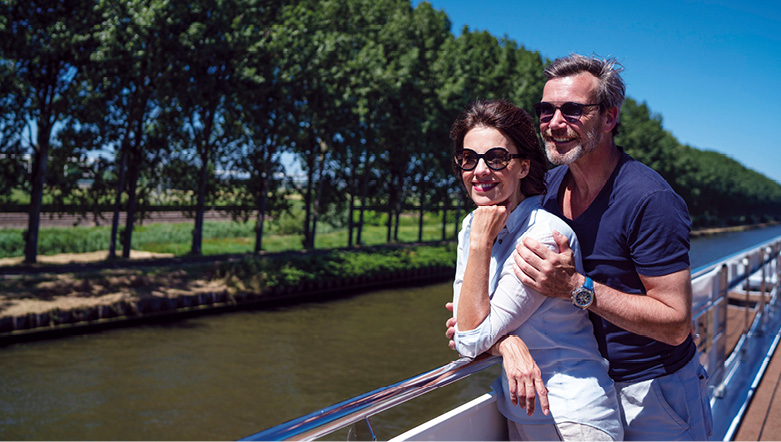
(557, 121)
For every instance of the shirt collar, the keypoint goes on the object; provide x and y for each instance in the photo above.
(518, 216)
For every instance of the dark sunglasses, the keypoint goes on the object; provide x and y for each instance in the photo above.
(496, 158)
(570, 111)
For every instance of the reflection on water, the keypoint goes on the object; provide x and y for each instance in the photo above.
(228, 376)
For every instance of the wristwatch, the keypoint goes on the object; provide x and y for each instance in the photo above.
(583, 296)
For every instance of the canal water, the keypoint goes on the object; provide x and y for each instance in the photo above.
(223, 377)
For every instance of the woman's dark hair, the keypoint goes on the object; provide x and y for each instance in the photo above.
(515, 124)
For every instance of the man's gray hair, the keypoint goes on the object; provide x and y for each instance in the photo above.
(610, 89)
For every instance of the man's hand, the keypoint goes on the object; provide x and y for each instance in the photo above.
(550, 273)
(450, 326)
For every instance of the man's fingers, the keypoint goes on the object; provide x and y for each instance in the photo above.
(449, 306)
(562, 241)
(533, 246)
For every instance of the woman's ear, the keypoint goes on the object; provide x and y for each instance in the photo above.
(525, 167)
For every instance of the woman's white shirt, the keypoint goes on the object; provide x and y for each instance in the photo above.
(558, 334)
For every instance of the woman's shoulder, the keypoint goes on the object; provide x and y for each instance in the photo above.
(543, 221)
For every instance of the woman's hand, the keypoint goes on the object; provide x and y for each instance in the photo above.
(487, 222)
(523, 375)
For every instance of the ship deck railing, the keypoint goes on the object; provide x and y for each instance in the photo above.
(736, 319)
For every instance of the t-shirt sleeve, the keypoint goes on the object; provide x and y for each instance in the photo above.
(659, 239)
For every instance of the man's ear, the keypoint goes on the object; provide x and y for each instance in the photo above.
(611, 119)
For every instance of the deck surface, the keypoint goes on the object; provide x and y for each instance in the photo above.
(762, 419)
(763, 416)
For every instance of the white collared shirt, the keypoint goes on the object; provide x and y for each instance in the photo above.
(558, 334)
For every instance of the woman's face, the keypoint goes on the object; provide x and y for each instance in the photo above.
(488, 187)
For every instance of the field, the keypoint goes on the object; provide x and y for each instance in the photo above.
(221, 236)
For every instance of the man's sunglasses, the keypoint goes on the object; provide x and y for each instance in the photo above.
(570, 111)
(496, 158)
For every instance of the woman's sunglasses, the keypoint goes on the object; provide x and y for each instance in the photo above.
(570, 111)
(496, 158)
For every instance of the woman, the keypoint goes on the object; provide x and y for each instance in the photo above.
(502, 167)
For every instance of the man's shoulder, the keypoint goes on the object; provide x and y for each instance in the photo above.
(637, 174)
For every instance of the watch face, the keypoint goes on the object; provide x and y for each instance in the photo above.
(583, 298)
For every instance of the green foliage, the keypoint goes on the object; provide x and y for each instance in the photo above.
(206, 99)
(259, 273)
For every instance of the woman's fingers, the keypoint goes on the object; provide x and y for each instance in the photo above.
(543, 392)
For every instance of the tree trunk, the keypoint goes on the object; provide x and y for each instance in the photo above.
(364, 192)
(308, 242)
(445, 202)
(458, 213)
(112, 245)
(350, 210)
(199, 206)
(420, 222)
(38, 178)
(261, 214)
(127, 238)
(316, 205)
(391, 201)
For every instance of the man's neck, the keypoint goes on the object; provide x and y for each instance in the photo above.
(587, 177)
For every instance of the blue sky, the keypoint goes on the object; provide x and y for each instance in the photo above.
(711, 69)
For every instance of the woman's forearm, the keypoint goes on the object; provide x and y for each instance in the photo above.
(474, 303)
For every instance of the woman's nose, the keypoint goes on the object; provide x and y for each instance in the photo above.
(482, 167)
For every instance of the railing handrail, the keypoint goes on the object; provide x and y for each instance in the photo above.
(327, 420)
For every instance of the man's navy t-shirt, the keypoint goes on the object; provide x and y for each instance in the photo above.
(636, 225)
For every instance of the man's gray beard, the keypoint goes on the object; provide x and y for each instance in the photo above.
(589, 144)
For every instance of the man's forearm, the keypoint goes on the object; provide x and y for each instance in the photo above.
(663, 314)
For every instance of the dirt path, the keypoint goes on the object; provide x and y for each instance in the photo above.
(45, 292)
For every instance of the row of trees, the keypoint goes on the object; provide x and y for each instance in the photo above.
(142, 95)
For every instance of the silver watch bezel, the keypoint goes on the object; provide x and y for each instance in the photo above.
(582, 290)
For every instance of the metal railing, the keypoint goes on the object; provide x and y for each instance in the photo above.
(327, 420)
(755, 271)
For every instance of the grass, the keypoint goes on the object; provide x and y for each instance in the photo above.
(224, 237)
(255, 274)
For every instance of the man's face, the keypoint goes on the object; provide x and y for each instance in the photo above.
(565, 141)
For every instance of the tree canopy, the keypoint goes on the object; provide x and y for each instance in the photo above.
(206, 97)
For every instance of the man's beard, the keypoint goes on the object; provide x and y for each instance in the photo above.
(587, 144)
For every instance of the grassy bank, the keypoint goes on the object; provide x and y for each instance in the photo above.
(42, 301)
(223, 237)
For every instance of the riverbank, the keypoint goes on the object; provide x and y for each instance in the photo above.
(75, 293)
(42, 304)
(717, 230)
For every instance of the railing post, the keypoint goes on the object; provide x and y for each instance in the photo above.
(746, 272)
(777, 271)
(766, 255)
(720, 348)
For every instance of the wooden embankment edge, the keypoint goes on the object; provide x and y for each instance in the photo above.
(58, 323)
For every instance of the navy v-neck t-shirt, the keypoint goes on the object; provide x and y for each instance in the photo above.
(636, 225)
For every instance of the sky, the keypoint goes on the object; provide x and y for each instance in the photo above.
(698, 64)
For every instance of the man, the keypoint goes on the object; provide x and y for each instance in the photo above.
(634, 235)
